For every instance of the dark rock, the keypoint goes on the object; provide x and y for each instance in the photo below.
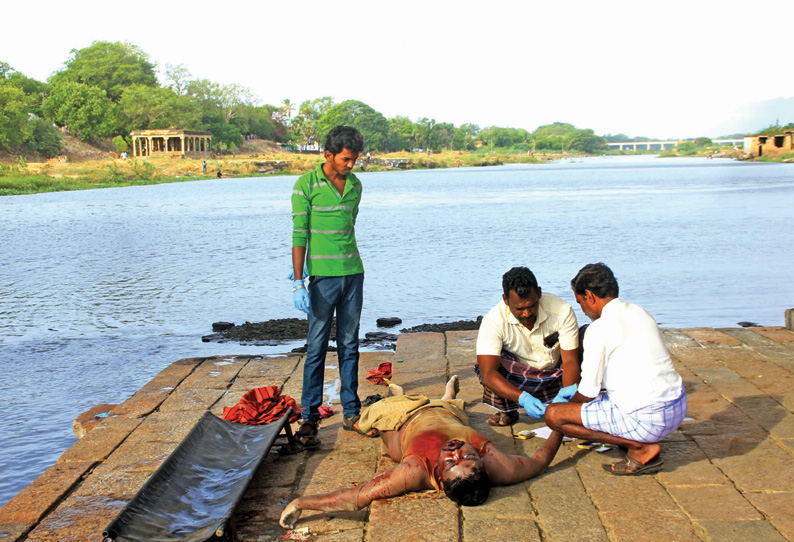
(388, 322)
(460, 325)
(748, 324)
(222, 326)
(380, 336)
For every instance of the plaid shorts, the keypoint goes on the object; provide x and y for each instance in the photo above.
(540, 383)
(648, 424)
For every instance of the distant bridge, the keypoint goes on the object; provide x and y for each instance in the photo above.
(662, 145)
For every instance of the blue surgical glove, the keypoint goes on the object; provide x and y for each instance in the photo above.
(534, 407)
(565, 394)
(300, 297)
(291, 275)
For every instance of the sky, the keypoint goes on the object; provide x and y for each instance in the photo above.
(667, 70)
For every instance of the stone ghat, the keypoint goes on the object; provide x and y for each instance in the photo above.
(729, 471)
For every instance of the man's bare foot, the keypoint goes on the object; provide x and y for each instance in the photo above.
(452, 389)
(396, 390)
(645, 453)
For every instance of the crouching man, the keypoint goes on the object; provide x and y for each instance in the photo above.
(624, 354)
(436, 449)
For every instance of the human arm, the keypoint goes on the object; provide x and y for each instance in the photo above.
(489, 373)
(570, 349)
(409, 475)
(507, 469)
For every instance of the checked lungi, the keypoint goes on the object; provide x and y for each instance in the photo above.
(540, 383)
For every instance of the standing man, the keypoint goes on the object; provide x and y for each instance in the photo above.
(324, 210)
(527, 349)
(624, 353)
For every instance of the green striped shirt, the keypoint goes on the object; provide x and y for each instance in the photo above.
(324, 222)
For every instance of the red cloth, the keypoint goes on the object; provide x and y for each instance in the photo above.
(260, 406)
(325, 412)
(376, 376)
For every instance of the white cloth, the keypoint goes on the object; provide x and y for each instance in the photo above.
(501, 330)
(624, 353)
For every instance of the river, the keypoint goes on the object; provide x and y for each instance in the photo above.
(101, 289)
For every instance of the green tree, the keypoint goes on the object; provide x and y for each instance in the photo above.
(41, 136)
(85, 110)
(372, 124)
(151, 108)
(702, 142)
(110, 66)
(178, 78)
(252, 119)
(14, 110)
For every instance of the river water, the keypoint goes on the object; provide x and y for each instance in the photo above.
(101, 289)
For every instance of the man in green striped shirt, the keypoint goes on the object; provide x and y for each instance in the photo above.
(324, 210)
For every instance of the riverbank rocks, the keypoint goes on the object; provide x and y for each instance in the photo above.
(388, 322)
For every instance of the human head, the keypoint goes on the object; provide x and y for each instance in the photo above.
(522, 295)
(592, 286)
(344, 137)
(463, 473)
(596, 277)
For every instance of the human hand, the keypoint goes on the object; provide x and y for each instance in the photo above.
(300, 297)
(290, 515)
(565, 394)
(534, 407)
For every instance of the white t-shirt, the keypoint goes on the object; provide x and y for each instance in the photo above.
(625, 354)
(499, 330)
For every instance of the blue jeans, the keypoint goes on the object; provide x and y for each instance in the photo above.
(345, 296)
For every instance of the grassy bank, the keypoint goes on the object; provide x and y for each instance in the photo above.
(63, 174)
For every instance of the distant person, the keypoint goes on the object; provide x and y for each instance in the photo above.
(324, 209)
(436, 448)
(623, 353)
(527, 349)
(204, 167)
(219, 174)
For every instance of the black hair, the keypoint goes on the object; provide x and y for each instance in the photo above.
(521, 280)
(598, 278)
(471, 490)
(344, 137)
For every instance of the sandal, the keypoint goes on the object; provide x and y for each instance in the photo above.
(503, 419)
(307, 435)
(351, 424)
(631, 467)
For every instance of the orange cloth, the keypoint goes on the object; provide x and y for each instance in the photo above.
(260, 406)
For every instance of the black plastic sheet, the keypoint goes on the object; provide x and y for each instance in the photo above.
(194, 493)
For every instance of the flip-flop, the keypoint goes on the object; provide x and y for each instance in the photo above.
(306, 435)
(503, 419)
(349, 424)
(631, 467)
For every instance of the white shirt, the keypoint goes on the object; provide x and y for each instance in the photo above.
(624, 353)
(501, 330)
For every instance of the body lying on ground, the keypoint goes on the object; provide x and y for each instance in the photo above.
(436, 449)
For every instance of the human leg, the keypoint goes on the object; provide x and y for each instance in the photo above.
(348, 316)
(599, 421)
(321, 296)
(542, 384)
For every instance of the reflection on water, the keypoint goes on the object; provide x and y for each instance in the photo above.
(99, 290)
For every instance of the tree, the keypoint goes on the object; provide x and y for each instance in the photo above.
(41, 136)
(148, 108)
(85, 110)
(252, 119)
(110, 66)
(13, 116)
(178, 78)
(372, 124)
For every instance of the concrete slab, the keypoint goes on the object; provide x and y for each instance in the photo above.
(736, 450)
